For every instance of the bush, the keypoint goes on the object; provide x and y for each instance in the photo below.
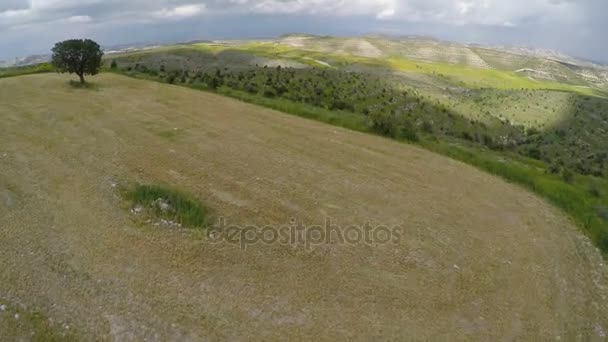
(427, 127)
(567, 175)
(535, 153)
(595, 191)
(268, 92)
(408, 132)
(602, 212)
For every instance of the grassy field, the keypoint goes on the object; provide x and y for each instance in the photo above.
(478, 258)
(557, 150)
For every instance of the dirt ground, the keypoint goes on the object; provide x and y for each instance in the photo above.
(479, 259)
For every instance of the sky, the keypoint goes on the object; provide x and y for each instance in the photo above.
(575, 27)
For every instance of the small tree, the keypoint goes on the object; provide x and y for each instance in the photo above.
(77, 56)
(114, 65)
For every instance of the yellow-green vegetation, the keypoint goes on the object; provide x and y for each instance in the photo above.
(26, 70)
(457, 74)
(480, 78)
(468, 245)
(18, 324)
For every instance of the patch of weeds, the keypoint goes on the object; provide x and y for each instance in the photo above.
(32, 325)
(168, 204)
(170, 133)
(595, 191)
(602, 212)
(86, 85)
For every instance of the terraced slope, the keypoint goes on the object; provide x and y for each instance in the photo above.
(478, 258)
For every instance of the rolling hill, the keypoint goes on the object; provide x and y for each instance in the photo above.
(535, 64)
(478, 258)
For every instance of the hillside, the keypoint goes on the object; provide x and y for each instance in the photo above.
(478, 258)
(530, 63)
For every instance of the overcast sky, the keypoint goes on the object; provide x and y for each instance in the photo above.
(577, 27)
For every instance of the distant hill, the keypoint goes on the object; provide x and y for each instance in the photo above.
(539, 64)
(24, 61)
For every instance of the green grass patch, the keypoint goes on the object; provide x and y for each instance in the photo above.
(170, 134)
(169, 204)
(32, 325)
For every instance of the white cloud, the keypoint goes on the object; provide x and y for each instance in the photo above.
(14, 13)
(377, 8)
(79, 19)
(549, 19)
(461, 12)
(181, 11)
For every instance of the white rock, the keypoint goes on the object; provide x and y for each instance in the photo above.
(16, 316)
(2, 307)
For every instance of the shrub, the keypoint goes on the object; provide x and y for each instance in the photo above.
(602, 212)
(535, 153)
(408, 132)
(269, 92)
(427, 127)
(594, 190)
(567, 175)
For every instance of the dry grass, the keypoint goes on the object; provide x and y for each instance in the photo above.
(479, 258)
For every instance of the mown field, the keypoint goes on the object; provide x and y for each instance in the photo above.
(479, 258)
(547, 136)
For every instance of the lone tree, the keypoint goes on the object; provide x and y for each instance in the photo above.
(77, 56)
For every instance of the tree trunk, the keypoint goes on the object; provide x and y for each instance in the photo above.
(81, 78)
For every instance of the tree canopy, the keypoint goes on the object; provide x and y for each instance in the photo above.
(77, 56)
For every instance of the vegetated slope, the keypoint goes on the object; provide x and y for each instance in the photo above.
(25, 70)
(550, 141)
(478, 258)
(528, 63)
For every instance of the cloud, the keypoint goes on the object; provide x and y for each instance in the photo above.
(322, 7)
(79, 19)
(183, 11)
(573, 25)
(12, 5)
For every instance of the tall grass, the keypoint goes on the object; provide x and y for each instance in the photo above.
(182, 208)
